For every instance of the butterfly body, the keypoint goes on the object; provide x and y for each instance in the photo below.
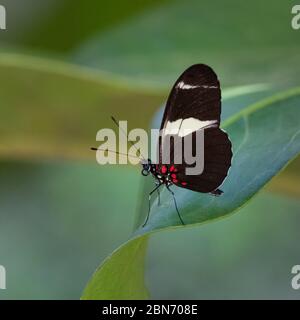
(163, 173)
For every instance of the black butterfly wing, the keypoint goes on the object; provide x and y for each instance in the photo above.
(196, 96)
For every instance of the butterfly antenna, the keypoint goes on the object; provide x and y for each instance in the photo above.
(116, 152)
(132, 144)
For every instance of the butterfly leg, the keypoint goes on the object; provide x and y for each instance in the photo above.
(173, 195)
(149, 200)
(158, 193)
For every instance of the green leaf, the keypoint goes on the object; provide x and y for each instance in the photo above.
(265, 138)
(57, 30)
(244, 42)
(122, 274)
(51, 108)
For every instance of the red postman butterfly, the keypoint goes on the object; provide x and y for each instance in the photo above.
(194, 103)
(193, 106)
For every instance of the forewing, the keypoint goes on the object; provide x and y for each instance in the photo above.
(196, 94)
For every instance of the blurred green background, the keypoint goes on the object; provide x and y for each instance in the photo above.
(65, 67)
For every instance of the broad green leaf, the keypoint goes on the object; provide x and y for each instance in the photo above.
(236, 99)
(50, 108)
(122, 275)
(244, 42)
(73, 21)
(265, 137)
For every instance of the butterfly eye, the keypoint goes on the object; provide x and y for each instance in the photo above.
(145, 172)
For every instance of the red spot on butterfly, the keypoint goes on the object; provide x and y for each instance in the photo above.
(163, 169)
(173, 176)
(175, 181)
(183, 183)
(173, 169)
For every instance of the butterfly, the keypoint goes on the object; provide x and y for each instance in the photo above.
(194, 105)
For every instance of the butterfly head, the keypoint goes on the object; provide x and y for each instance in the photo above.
(146, 164)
